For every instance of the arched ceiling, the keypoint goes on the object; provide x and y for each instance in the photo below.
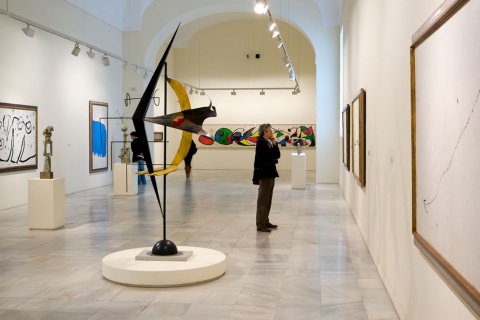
(126, 15)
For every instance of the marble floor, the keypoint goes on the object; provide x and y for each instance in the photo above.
(315, 266)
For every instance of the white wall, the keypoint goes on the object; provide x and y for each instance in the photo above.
(40, 71)
(377, 37)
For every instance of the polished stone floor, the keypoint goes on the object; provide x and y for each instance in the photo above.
(315, 266)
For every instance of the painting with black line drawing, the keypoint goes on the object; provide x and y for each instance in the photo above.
(18, 137)
(447, 157)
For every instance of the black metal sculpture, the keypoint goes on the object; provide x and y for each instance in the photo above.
(163, 247)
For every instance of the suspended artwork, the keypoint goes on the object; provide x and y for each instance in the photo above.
(188, 120)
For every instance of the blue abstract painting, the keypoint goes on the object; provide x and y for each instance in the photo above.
(98, 136)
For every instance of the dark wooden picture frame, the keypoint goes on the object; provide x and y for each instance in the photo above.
(346, 136)
(444, 55)
(98, 136)
(18, 137)
(358, 139)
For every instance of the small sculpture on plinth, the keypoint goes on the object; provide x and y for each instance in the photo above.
(47, 153)
(124, 152)
(298, 144)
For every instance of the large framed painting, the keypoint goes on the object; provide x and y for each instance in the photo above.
(346, 136)
(18, 137)
(358, 115)
(98, 136)
(445, 85)
(246, 135)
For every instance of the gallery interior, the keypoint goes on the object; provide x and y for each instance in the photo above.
(350, 243)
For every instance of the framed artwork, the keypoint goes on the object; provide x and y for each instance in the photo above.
(18, 137)
(246, 135)
(358, 115)
(445, 85)
(346, 137)
(98, 123)
(158, 136)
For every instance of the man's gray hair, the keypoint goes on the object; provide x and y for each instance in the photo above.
(263, 127)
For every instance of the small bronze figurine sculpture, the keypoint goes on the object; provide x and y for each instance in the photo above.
(124, 152)
(47, 153)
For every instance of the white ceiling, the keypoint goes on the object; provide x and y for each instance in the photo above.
(126, 15)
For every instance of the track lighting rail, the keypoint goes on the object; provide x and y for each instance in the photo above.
(106, 54)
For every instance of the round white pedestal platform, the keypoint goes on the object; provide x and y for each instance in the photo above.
(204, 265)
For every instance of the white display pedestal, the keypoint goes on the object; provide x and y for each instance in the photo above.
(299, 173)
(46, 203)
(125, 181)
(204, 265)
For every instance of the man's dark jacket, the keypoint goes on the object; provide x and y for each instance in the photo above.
(266, 156)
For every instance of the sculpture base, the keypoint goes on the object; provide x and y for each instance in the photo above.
(46, 204)
(146, 255)
(46, 175)
(204, 265)
(164, 248)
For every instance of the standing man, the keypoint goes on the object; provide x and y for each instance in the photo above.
(189, 157)
(137, 150)
(267, 154)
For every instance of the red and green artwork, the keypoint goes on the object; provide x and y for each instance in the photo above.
(247, 135)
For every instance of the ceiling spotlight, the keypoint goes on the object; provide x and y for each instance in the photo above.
(275, 33)
(91, 54)
(262, 93)
(280, 42)
(294, 92)
(145, 75)
(191, 90)
(286, 62)
(28, 32)
(105, 60)
(233, 93)
(272, 25)
(261, 6)
(76, 50)
(125, 66)
(292, 75)
(202, 93)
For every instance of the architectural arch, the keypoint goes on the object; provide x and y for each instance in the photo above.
(325, 43)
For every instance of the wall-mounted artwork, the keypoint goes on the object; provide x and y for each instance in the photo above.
(158, 136)
(358, 141)
(346, 137)
(98, 136)
(246, 135)
(18, 137)
(445, 74)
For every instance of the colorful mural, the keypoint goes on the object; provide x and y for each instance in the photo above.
(247, 135)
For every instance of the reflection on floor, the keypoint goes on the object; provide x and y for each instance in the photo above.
(315, 266)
